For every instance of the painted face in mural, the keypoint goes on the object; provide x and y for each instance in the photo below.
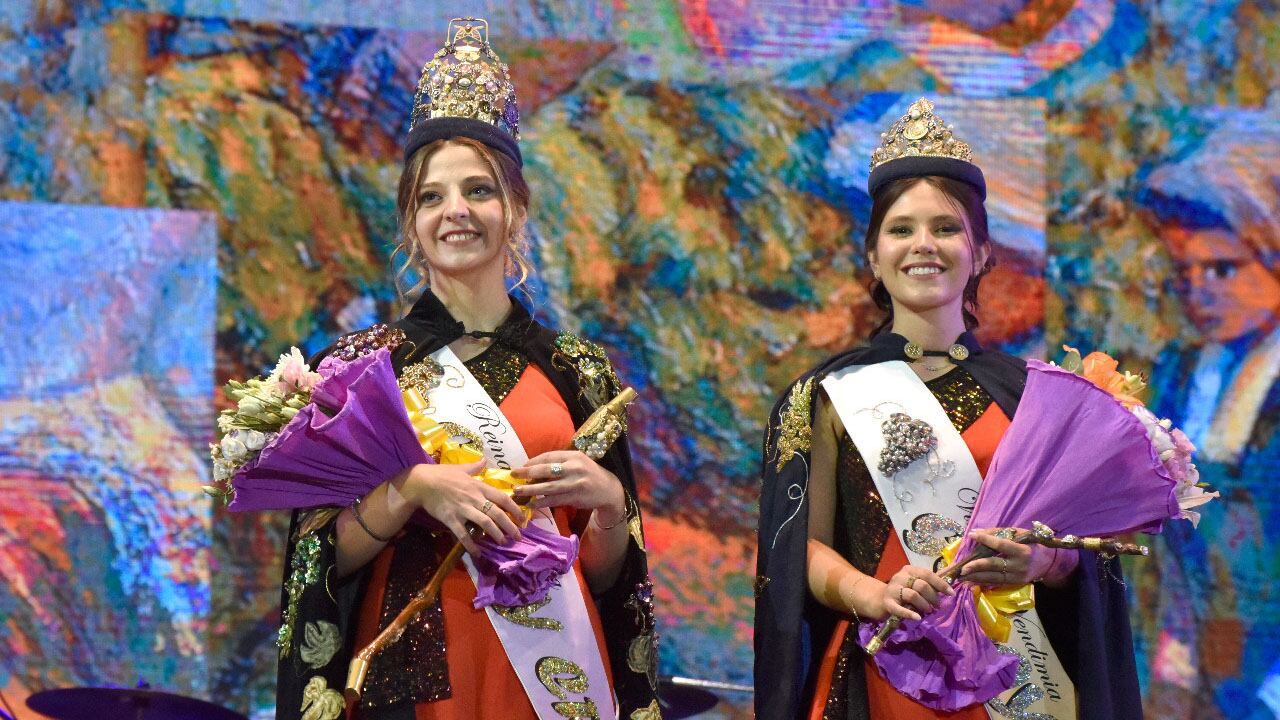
(1227, 291)
(459, 222)
(923, 253)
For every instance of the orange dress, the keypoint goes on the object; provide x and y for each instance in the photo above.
(482, 681)
(884, 700)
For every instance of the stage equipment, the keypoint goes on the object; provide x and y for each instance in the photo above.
(125, 704)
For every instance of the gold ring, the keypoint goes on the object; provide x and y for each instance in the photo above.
(1004, 564)
(557, 470)
(901, 601)
(486, 507)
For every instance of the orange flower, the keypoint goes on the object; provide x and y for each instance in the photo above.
(1102, 370)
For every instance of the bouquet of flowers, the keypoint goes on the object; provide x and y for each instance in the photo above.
(1172, 447)
(1082, 456)
(299, 439)
(263, 407)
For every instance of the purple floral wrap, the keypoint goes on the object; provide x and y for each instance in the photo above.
(945, 659)
(521, 572)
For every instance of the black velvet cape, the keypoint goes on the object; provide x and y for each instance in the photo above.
(1087, 622)
(580, 373)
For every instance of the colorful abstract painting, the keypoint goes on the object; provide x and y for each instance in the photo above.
(106, 376)
(699, 205)
(1185, 280)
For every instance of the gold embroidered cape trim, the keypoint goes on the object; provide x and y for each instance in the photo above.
(597, 381)
(794, 433)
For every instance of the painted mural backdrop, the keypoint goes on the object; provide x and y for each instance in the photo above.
(698, 172)
(105, 390)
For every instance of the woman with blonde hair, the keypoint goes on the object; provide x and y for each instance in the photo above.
(518, 390)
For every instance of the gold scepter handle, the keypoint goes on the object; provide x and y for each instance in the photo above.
(1039, 534)
(593, 439)
(874, 644)
(1042, 534)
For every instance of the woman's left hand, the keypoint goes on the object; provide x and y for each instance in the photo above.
(1014, 564)
(569, 478)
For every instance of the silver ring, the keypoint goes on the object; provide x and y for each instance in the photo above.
(486, 507)
(557, 470)
(1004, 564)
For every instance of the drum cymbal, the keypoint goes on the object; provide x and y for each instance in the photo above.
(124, 704)
(679, 698)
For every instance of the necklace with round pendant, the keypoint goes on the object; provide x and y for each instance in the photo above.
(917, 354)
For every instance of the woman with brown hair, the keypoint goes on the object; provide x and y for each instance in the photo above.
(872, 464)
(518, 390)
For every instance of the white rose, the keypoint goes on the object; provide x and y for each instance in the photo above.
(1145, 416)
(253, 439)
(233, 449)
(1162, 441)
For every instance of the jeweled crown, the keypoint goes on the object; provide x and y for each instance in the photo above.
(465, 79)
(919, 133)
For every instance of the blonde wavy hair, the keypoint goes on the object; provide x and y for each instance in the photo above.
(513, 191)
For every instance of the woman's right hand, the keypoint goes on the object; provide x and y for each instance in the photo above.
(452, 495)
(913, 591)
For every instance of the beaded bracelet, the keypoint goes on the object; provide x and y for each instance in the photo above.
(355, 510)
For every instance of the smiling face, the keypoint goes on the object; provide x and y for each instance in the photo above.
(460, 223)
(923, 253)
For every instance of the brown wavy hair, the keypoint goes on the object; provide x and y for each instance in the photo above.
(965, 200)
(513, 191)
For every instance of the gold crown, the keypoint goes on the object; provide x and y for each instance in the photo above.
(919, 133)
(465, 79)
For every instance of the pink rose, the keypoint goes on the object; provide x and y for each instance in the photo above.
(292, 373)
(1182, 442)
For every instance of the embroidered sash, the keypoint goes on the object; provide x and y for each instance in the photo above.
(551, 645)
(930, 501)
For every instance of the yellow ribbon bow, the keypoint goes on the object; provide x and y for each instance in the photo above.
(995, 605)
(437, 440)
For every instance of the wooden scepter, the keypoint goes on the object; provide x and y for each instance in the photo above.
(593, 439)
(1039, 534)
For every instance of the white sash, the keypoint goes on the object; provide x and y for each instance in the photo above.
(929, 503)
(554, 653)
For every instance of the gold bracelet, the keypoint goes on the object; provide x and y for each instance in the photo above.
(596, 520)
(849, 601)
(355, 510)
